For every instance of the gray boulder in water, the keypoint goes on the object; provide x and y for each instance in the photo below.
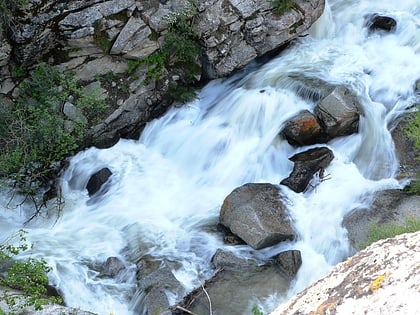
(257, 214)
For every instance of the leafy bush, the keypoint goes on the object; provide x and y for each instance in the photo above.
(281, 6)
(28, 276)
(256, 311)
(382, 231)
(35, 134)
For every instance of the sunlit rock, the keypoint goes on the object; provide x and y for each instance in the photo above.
(307, 163)
(338, 113)
(383, 279)
(303, 129)
(257, 214)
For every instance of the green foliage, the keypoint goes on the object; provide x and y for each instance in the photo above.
(28, 276)
(36, 135)
(180, 41)
(256, 310)
(281, 6)
(100, 37)
(181, 93)
(413, 133)
(6, 10)
(382, 231)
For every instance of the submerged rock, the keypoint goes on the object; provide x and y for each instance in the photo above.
(258, 215)
(97, 180)
(307, 164)
(380, 280)
(380, 22)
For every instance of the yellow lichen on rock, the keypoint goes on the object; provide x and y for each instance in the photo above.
(376, 284)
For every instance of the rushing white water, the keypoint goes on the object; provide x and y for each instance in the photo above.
(167, 188)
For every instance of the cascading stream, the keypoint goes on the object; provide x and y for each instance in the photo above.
(167, 188)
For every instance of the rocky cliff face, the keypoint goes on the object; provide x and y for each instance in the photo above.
(96, 38)
(382, 279)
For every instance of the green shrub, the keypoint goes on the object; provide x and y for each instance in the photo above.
(382, 231)
(281, 6)
(256, 310)
(28, 276)
(36, 135)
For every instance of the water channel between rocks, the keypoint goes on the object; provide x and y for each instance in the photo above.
(164, 196)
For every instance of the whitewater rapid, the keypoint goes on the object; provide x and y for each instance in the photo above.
(167, 187)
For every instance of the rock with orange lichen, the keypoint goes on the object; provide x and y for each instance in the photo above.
(379, 280)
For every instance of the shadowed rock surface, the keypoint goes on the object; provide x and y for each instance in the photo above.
(307, 163)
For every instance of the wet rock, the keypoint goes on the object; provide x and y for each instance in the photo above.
(307, 163)
(97, 180)
(303, 129)
(156, 283)
(112, 267)
(387, 206)
(223, 259)
(380, 22)
(338, 113)
(289, 261)
(257, 214)
(239, 286)
(382, 279)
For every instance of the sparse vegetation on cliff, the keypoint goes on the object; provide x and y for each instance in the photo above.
(281, 6)
(36, 134)
(179, 50)
(413, 133)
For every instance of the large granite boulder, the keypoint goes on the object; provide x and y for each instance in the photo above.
(383, 279)
(307, 164)
(257, 213)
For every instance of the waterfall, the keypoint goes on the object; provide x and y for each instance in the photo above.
(167, 187)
